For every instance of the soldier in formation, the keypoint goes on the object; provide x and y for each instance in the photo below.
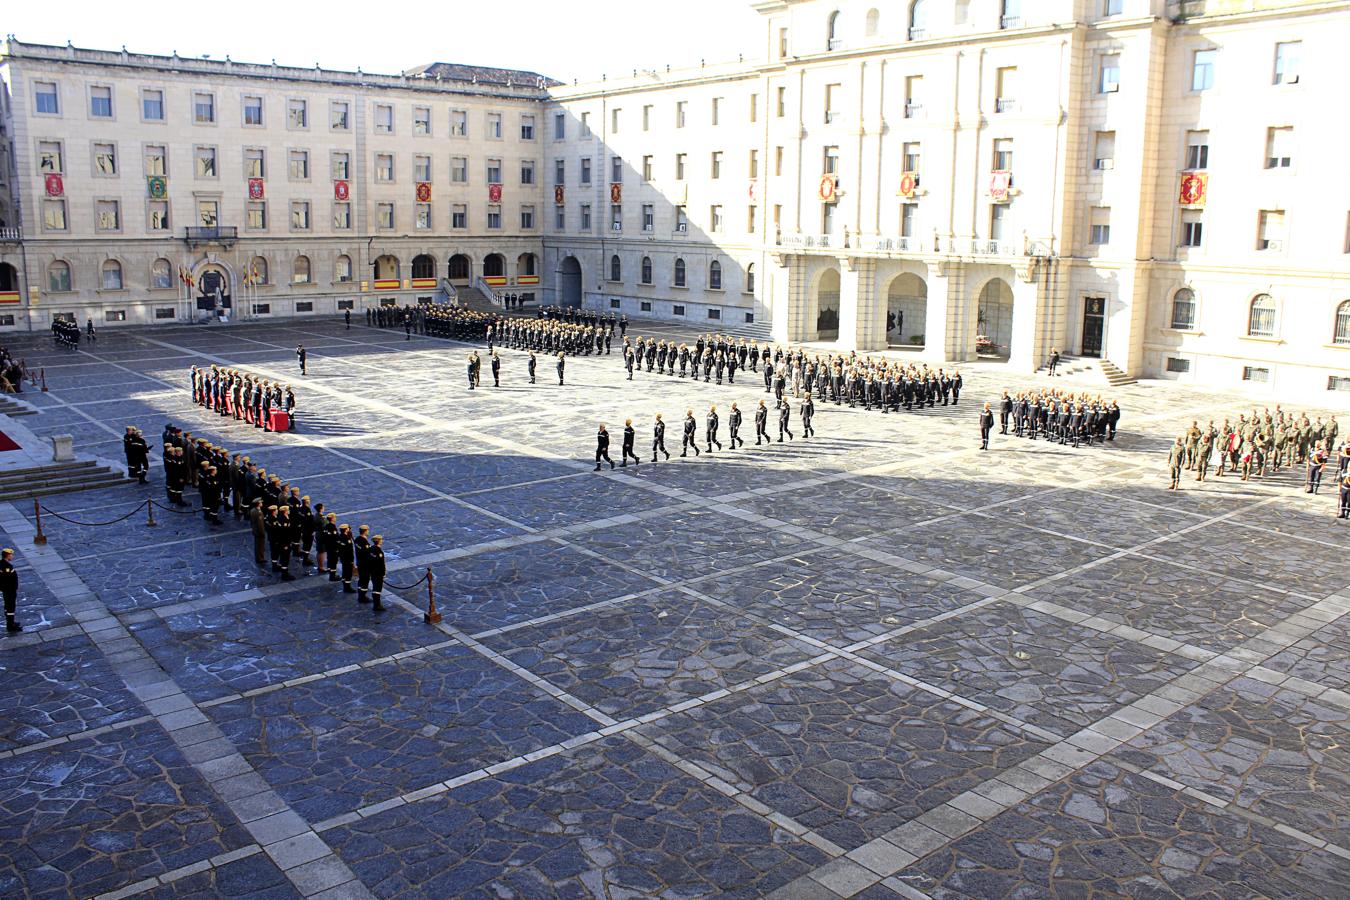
(247, 397)
(1061, 417)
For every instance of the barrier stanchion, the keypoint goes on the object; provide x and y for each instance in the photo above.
(38, 538)
(44, 379)
(150, 514)
(432, 615)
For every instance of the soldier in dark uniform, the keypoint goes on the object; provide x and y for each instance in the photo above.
(532, 363)
(710, 428)
(346, 549)
(659, 438)
(784, 414)
(762, 422)
(330, 544)
(209, 488)
(628, 358)
(9, 587)
(602, 447)
(1345, 498)
(257, 521)
(629, 436)
(808, 412)
(734, 424)
(689, 436)
(1005, 407)
(375, 562)
(303, 356)
(137, 453)
(496, 369)
(361, 547)
(562, 363)
(986, 426)
(304, 520)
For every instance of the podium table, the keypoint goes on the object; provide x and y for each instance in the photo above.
(279, 421)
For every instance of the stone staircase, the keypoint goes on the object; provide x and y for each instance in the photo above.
(1082, 368)
(58, 478)
(471, 297)
(13, 406)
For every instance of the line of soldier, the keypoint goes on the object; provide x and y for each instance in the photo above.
(549, 336)
(711, 427)
(576, 316)
(67, 334)
(1059, 416)
(246, 397)
(283, 523)
(1259, 443)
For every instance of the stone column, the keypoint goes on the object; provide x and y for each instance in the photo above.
(860, 326)
(945, 325)
(792, 305)
(1028, 347)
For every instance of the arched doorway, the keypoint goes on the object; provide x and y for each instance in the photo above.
(569, 282)
(9, 278)
(461, 270)
(906, 311)
(993, 320)
(827, 306)
(423, 266)
(494, 266)
(386, 267)
(213, 289)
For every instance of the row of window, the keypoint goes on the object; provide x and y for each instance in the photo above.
(204, 110)
(679, 273)
(108, 215)
(1260, 316)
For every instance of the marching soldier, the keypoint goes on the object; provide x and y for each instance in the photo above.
(629, 436)
(710, 428)
(807, 413)
(659, 438)
(602, 447)
(762, 421)
(734, 424)
(987, 425)
(690, 430)
(784, 414)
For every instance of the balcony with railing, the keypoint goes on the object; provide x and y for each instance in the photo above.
(212, 234)
(10, 235)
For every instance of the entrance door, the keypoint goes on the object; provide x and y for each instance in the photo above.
(1094, 320)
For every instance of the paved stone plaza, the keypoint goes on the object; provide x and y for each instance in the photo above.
(877, 662)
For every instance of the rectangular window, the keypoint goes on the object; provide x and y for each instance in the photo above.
(527, 128)
(586, 170)
(1258, 374)
(716, 113)
(299, 215)
(751, 218)
(585, 217)
(158, 215)
(560, 218)
(255, 216)
(494, 217)
(782, 43)
(913, 96)
(616, 170)
(1270, 230)
(1202, 69)
(1011, 16)
(346, 303)
(298, 165)
(677, 309)
(208, 213)
(54, 215)
(421, 122)
(1177, 365)
(302, 306)
(254, 163)
(1197, 149)
(559, 172)
(1108, 79)
(45, 98)
(909, 214)
(165, 312)
(527, 171)
(681, 219)
(679, 166)
(1287, 55)
(109, 215)
(297, 113)
(1279, 147)
(754, 163)
(384, 118)
(615, 303)
(648, 217)
(50, 158)
(644, 306)
(1100, 226)
(100, 103)
(614, 117)
(494, 126)
(459, 169)
(253, 111)
(1192, 228)
(342, 166)
(681, 107)
(152, 105)
(780, 103)
(1112, 7)
(342, 216)
(647, 118)
(913, 156)
(828, 216)
(615, 217)
(113, 315)
(105, 159)
(339, 118)
(204, 108)
(559, 126)
(1104, 151)
(777, 161)
(262, 309)
(384, 167)
(421, 168)
(715, 171)
(754, 107)
(384, 216)
(206, 162)
(1334, 382)
(646, 168)
(494, 171)
(459, 216)
(1003, 154)
(998, 221)
(715, 314)
(830, 164)
(423, 216)
(459, 123)
(527, 218)
(1005, 86)
(156, 160)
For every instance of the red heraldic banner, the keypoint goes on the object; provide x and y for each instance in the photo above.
(255, 189)
(999, 183)
(559, 194)
(423, 192)
(55, 187)
(1194, 188)
(494, 193)
(341, 190)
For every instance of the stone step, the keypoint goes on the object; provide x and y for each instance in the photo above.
(109, 480)
(11, 485)
(12, 406)
(39, 471)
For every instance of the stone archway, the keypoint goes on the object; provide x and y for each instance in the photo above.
(9, 278)
(994, 320)
(827, 305)
(386, 268)
(460, 269)
(907, 311)
(569, 282)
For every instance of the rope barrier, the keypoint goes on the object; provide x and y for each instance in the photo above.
(407, 587)
(52, 512)
(174, 509)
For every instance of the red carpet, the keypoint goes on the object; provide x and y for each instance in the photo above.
(6, 443)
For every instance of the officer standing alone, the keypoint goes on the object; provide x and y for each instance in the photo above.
(9, 586)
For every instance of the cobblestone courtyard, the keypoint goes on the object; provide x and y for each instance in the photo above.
(875, 663)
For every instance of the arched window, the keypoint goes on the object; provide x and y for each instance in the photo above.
(258, 270)
(161, 274)
(423, 266)
(459, 267)
(615, 268)
(300, 271)
(525, 264)
(494, 266)
(832, 31)
(112, 275)
(873, 20)
(646, 270)
(1183, 309)
(58, 276)
(750, 278)
(715, 275)
(1342, 333)
(342, 268)
(679, 273)
(1261, 321)
(918, 20)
